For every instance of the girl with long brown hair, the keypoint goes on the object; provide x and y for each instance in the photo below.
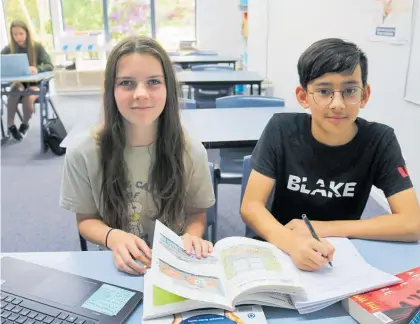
(139, 165)
(21, 42)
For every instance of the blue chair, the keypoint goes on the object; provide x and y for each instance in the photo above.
(248, 101)
(246, 171)
(203, 53)
(187, 103)
(211, 231)
(211, 67)
(231, 159)
(206, 95)
(212, 211)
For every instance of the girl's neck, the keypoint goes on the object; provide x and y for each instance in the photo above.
(141, 135)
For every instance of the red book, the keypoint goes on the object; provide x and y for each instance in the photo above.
(393, 304)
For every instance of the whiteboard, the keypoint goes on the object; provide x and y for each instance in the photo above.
(412, 90)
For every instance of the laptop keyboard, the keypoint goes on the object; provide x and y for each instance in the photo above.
(24, 311)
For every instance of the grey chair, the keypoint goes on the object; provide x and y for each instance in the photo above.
(205, 95)
(231, 160)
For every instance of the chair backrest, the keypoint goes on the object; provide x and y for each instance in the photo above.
(187, 103)
(246, 171)
(203, 53)
(248, 101)
(211, 67)
(212, 211)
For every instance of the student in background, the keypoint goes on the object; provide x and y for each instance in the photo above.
(139, 165)
(324, 164)
(21, 41)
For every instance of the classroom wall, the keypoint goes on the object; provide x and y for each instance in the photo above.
(294, 25)
(219, 25)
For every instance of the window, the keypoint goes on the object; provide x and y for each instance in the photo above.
(36, 14)
(128, 17)
(175, 21)
(82, 15)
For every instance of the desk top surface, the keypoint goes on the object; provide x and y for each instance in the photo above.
(218, 76)
(387, 256)
(28, 78)
(211, 126)
(203, 59)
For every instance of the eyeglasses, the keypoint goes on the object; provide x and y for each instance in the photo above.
(351, 96)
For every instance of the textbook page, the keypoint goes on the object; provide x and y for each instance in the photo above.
(158, 302)
(253, 266)
(184, 275)
(350, 275)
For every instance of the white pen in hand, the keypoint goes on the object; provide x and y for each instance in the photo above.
(312, 230)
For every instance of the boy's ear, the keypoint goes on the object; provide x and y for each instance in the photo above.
(366, 96)
(302, 96)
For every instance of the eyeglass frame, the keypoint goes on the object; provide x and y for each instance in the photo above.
(342, 95)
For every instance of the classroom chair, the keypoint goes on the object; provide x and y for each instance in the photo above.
(231, 160)
(4, 131)
(248, 101)
(203, 53)
(246, 171)
(211, 67)
(187, 103)
(211, 231)
(206, 95)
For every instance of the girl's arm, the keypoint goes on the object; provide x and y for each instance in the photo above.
(44, 63)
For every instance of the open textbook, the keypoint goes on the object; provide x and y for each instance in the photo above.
(241, 315)
(243, 271)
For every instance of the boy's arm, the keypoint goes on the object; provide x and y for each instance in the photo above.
(392, 177)
(255, 214)
(402, 225)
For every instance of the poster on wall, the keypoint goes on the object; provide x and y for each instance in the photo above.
(392, 21)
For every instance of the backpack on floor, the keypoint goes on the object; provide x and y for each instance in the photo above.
(54, 134)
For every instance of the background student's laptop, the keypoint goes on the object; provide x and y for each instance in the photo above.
(33, 292)
(14, 65)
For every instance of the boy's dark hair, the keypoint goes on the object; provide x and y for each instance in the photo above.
(331, 55)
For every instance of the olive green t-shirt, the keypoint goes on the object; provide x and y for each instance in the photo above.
(82, 179)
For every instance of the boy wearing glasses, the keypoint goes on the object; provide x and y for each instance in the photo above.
(325, 164)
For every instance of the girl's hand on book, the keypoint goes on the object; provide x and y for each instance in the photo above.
(309, 254)
(201, 247)
(127, 248)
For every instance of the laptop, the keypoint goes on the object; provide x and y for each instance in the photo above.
(14, 65)
(32, 293)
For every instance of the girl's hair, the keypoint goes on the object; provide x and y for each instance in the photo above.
(30, 45)
(166, 176)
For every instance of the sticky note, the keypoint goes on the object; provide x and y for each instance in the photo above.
(108, 300)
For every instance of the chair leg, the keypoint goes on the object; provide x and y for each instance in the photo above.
(83, 243)
(216, 190)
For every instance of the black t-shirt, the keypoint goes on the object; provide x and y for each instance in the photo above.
(327, 182)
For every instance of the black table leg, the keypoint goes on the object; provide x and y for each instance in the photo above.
(259, 88)
(252, 89)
